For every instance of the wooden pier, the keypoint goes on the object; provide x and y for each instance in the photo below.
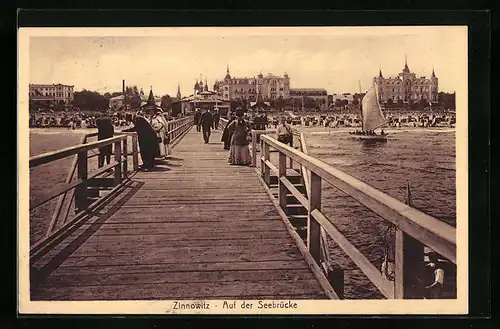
(193, 228)
(198, 228)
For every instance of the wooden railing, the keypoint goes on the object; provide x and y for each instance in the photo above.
(177, 128)
(77, 190)
(414, 229)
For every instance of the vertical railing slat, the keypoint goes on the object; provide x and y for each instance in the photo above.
(81, 195)
(125, 161)
(135, 152)
(254, 149)
(399, 265)
(118, 158)
(282, 190)
(313, 227)
(265, 168)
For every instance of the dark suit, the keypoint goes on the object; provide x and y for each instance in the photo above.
(206, 122)
(197, 117)
(105, 130)
(216, 120)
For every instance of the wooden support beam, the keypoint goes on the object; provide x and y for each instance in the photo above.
(254, 149)
(265, 169)
(282, 190)
(336, 279)
(125, 161)
(118, 158)
(313, 227)
(81, 198)
(409, 265)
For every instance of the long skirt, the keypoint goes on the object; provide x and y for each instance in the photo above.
(240, 155)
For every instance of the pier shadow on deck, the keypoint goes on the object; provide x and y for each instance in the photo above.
(195, 228)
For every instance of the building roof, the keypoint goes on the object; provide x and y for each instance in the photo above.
(49, 85)
(116, 98)
(307, 89)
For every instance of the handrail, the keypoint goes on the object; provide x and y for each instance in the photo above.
(306, 177)
(62, 198)
(404, 215)
(78, 188)
(422, 228)
(72, 150)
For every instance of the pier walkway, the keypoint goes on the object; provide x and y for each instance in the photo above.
(194, 228)
(198, 228)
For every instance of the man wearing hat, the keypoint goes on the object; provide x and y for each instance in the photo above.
(216, 118)
(105, 130)
(206, 122)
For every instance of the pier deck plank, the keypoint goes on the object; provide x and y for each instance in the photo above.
(194, 228)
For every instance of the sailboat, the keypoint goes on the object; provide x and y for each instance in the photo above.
(372, 118)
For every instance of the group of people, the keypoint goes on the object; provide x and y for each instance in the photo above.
(153, 143)
(206, 121)
(236, 138)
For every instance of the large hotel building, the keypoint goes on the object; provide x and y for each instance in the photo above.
(269, 87)
(407, 87)
(51, 94)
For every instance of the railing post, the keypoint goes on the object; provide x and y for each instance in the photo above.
(118, 158)
(254, 148)
(125, 161)
(313, 227)
(282, 190)
(336, 279)
(409, 265)
(291, 145)
(265, 168)
(135, 151)
(81, 196)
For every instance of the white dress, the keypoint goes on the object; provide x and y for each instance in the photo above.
(160, 129)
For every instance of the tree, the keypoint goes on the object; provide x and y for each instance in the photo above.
(166, 102)
(90, 100)
(447, 100)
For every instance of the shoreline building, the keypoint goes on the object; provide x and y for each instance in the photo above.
(269, 87)
(318, 94)
(202, 99)
(407, 88)
(51, 94)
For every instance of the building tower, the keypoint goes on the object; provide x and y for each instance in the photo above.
(179, 97)
(286, 85)
(407, 85)
(228, 76)
(434, 87)
(196, 87)
(206, 85)
(200, 89)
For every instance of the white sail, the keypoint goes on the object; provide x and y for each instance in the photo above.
(372, 114)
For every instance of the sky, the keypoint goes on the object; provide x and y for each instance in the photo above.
(331, 58)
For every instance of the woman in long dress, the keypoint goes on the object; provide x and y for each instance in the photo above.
(158, 125)
(228, 134)
(239, 152)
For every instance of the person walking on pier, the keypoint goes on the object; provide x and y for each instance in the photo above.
(206, 122)
(228, 134)
(105, 130)
(284, 133)
(197, 117)
(239, 153)
(216, 118)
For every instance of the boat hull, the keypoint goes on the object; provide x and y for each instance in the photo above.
(370, 138)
